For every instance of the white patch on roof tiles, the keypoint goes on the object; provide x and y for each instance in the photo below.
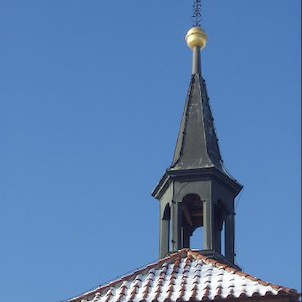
(180, 277)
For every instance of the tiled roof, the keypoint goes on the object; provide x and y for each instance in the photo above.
(184, 276)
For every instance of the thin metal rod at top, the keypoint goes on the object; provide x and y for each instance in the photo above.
(196, 17)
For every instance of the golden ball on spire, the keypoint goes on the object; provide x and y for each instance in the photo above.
(196, 37)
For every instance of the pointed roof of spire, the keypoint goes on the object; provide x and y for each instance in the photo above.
(197, 143)
(197, 150)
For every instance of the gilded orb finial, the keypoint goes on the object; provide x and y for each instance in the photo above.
(196, 37)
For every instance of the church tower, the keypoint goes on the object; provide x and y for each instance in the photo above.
(196, 190)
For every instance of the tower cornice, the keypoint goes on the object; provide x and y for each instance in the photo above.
(195, 175)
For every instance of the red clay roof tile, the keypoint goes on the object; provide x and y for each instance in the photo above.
(182, 277)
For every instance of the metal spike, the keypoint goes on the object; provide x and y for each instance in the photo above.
(196, 17)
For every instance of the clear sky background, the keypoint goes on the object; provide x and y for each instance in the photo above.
(91, 96)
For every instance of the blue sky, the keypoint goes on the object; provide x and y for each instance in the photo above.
(91, 96)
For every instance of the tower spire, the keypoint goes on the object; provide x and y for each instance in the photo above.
(196, 191)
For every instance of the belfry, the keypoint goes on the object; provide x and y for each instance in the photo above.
(195, 192)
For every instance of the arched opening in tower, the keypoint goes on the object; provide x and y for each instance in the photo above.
(192, 221)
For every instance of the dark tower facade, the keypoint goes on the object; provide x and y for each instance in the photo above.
(196, 191)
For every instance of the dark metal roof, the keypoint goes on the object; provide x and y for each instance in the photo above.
(197, 143)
